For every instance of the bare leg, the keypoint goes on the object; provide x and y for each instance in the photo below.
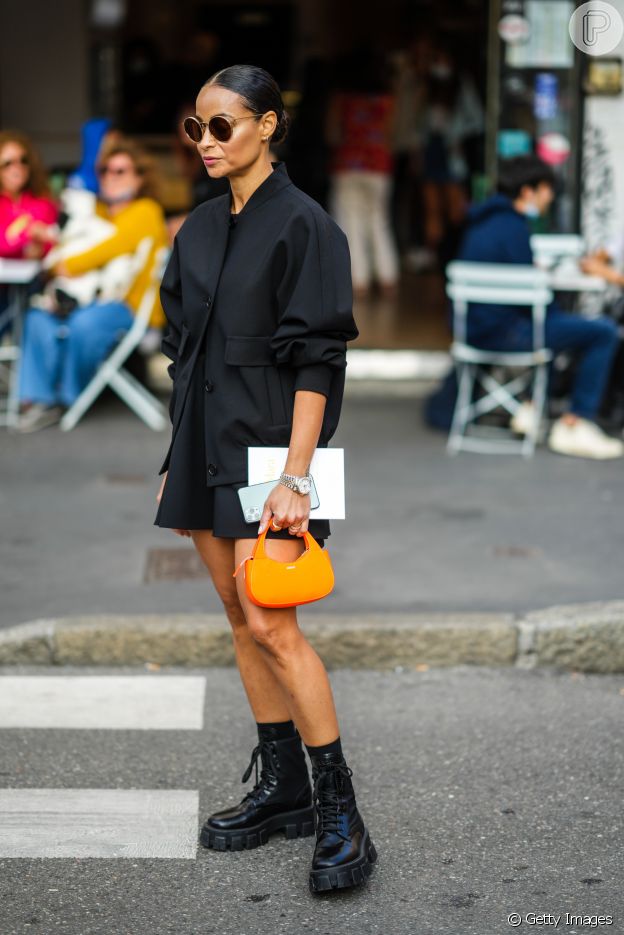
(264, 692)
(295, 665)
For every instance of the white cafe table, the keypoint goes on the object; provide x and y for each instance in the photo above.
(17, 275)
(557, 246)
(18, 272)
(558, 255)
(567, 279)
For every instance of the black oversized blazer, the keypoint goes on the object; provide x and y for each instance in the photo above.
(257, 308)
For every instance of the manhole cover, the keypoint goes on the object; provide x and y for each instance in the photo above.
(174, 565)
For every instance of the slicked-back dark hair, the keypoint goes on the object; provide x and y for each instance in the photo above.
(259, 92)
(515, 173)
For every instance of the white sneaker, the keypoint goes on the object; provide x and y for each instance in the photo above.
(38, 417)
(583, 439)
(524, 419)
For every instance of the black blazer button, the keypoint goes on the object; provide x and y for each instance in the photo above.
(212, 469)
(209, 386)
(209, 301)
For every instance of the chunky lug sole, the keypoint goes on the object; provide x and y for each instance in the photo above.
(354, 873)
(295, 824)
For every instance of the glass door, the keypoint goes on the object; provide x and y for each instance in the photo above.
(534, 95)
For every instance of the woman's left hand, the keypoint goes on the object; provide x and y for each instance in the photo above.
(287, 509)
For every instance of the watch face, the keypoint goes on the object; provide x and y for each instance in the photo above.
(304, 485)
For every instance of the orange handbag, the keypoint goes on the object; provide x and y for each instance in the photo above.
(270, 583)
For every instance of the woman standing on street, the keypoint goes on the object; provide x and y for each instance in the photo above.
(258, 298)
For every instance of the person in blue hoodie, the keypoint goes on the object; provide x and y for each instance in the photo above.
(93, 133)
(498, 232)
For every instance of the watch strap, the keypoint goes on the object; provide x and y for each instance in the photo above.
(292, 481)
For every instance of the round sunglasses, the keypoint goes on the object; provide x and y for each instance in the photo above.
(221, 128)
(115, 170)
(18, 161)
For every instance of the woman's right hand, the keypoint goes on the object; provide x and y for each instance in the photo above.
(42, 233)
(178, 532)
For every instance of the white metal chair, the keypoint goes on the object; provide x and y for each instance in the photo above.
(549, 249)
(9, 358)
(496, 284)
(112, 372)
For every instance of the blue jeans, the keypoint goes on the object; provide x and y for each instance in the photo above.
(594, 341)
(60, 356)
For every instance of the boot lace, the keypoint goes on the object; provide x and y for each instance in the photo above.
(328, 807)
(265, 751)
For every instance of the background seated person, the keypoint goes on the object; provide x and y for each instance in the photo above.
(28, 214)
(62, 350)
(498, 232)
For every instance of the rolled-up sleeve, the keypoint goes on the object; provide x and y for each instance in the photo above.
(315, 300)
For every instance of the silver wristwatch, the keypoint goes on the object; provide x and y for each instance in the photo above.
(301, 485)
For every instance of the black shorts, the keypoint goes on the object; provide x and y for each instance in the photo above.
(189, 503)
(219, 509)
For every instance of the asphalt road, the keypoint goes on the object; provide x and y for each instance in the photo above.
(487, 792)
(424, 531)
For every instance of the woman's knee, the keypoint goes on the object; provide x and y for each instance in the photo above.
(81, 324)
(276, 637)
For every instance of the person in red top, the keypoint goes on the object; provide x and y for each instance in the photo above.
(359, 128)
(27, 212)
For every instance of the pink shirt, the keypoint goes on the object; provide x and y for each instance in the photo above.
(16, 217)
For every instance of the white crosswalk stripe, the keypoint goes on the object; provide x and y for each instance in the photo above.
(167, 702)
(100, 823)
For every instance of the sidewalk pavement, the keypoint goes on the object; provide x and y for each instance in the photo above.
(487, 792)
(430, 538)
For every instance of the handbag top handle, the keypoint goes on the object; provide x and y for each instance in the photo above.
(259, 550)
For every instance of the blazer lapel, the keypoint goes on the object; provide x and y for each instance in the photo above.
(206, 256)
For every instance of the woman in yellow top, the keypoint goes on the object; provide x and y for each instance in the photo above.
(60, 354)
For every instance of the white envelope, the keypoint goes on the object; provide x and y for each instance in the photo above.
(327, 469)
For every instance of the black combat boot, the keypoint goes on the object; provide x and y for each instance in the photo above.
(344, 853)
(280, 800)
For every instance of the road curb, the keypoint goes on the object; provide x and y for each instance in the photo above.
(585, 637)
